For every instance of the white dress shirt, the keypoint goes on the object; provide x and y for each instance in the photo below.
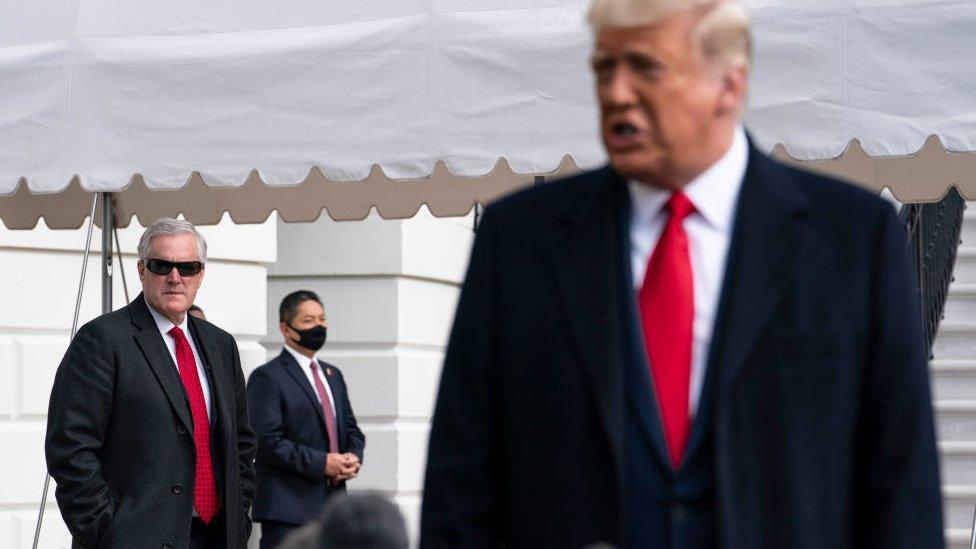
(305, 363)
(165, 325)
(715, 194)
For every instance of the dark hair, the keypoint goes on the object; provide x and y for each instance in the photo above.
(362, 520)
(290, 304)
(194, 308)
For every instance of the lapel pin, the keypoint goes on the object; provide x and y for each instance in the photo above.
(328, 371)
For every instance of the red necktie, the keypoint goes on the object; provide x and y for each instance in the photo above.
(204, 488)
(330, 422)
(667, 308)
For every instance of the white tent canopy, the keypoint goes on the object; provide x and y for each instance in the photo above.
(283, 92)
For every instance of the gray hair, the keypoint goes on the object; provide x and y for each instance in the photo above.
(168, 226)
(362, 520)
(722, 33)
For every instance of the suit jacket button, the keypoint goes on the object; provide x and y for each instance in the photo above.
(181, 430)
(168, 545)
(177, 489)
(679, 513)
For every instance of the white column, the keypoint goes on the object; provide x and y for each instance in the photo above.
(38, 286)
(389, 290)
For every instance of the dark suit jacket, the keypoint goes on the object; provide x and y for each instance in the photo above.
(823, 432)
(292, 440)
(120, 435)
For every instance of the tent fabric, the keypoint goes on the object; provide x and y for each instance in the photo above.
(243, 91)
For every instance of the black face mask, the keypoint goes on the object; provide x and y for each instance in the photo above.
(312, 338)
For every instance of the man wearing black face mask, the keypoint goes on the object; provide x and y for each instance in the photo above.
(308, 442)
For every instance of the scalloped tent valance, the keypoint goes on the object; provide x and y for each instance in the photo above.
(248, 103)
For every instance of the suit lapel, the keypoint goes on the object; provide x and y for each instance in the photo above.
(223, 438)
(759, 272)
(154, 349)
(584, 266)
(220, 386)
(295, 371)
(640, 386)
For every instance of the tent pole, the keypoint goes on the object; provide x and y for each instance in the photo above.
(106, 252)
(118, 255)
(972, 535)
(74, 329)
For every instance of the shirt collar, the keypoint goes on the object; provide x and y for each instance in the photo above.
(302, 360)
(714, 192)
(164, 324)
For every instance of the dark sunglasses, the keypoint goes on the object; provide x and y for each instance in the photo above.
(162, 267)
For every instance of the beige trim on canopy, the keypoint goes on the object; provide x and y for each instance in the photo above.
(925, 176)
(445, 195)
(922, 177)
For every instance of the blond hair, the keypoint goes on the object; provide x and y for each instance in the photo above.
(722, 32)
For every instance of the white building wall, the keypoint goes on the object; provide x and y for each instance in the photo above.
(39, 274)
(389, 290)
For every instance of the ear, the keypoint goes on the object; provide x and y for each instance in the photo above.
(283, 328)
(734, 83)
(141, 267)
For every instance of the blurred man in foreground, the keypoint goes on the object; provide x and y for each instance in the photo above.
(692, 347)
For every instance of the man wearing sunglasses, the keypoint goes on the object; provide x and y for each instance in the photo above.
(148, 436)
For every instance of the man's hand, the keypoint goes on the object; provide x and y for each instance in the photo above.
(353, 465)
(340, 467)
